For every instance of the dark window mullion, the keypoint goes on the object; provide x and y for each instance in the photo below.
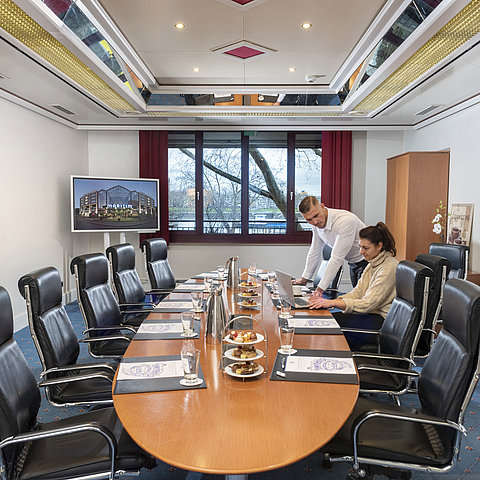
(290, 183)
(245, 194)
(199, 183)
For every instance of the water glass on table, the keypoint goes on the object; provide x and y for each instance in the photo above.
(190, 362)
(208, 281)
(287, 333)
(220, 271)
(252, 269)
(285, 309)
(197, 302)
(270, 279)
(188, 319)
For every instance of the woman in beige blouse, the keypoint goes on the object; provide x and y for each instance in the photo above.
(367, 305)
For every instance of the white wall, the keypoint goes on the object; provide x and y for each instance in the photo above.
(38, 157)
(459, 134)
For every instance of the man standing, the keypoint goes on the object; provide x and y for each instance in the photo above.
(339, 230)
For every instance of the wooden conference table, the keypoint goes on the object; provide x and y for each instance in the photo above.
(234, 426)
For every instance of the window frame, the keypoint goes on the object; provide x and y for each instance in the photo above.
(290, 237)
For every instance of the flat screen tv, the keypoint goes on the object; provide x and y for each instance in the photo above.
(102, 204)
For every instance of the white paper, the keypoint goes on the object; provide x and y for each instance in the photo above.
(190, 287)
(169, 305)
(150, 370)
(211, 275)
(313, 322)
(320, 365)
(160, 328)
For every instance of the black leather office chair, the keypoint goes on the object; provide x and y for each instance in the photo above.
(332, 290)
(125, 280)
(457, 255)
(103, 319)
(66, 382)
(440, 267)
(158, 269)
(91, 445)
(425, 438)
(399, 334)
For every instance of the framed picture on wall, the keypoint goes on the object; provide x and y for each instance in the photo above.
(460, 224)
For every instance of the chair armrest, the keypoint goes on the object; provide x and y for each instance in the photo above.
(80, 366)
(74, 378)
(361, 330)
(381, 368)
(402, 416)
(126, 310)
(105, 337)
(106, 329)
(384, 356)
(147, 305)
(94, 427)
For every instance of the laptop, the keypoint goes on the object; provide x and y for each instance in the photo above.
(285, 289)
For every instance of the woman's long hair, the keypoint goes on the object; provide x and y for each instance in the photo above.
(379, 233)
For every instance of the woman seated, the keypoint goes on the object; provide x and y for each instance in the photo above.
(368, 303)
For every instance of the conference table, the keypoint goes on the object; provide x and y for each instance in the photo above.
(235, 427)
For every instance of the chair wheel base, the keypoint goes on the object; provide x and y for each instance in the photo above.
(366, 472)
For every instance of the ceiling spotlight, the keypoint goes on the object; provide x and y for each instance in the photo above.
(292, 69)
(306, 26)
(179, 25)
(196, 69)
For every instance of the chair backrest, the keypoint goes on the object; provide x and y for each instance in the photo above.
(126, 281)
(440, 267)
(158, 269)
(449, 375)
(97, 302)
(19, 393)
(326, 253)
(457, 255)
(51, 329)
(402, 327)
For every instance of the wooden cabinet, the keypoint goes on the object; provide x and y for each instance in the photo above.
(416, 182)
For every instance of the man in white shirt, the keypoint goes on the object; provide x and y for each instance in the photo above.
(339, 230)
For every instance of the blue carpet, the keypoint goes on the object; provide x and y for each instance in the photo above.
(310, 468)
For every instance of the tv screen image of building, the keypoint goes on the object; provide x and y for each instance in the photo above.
(109, 204)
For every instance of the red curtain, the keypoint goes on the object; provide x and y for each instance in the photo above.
(153, 153)
(336, 169)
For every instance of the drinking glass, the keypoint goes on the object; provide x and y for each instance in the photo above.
(190, 362)
(208, 281)
(286, 339)
(188, 319)
(252, 268)
(270, 278)
(285, 309)
(221, 271)
(197, 301)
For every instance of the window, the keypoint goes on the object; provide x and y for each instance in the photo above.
(227, 186)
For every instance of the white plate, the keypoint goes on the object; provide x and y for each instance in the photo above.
(229, 354)
(259, 339)
(229, 371)
(255, 285)
(249, 306)
(249, 295)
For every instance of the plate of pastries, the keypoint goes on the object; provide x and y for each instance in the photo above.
(244, 369)
(244, 352)
(249, 303)
(245, 337)
(249, 284)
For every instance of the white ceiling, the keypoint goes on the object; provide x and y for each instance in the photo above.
(342, 34)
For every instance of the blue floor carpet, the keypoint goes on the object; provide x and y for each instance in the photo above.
(310, 468)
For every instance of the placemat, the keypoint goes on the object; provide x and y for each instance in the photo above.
(213, 275)
(174, 306)
(144, 383)
(326, 363)
(277, 304)
(168, 329)
(189, 287)
(314, 325)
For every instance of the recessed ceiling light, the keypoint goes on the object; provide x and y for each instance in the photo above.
(306, 26)
(179, 25)
(292, 69)
(196, 69)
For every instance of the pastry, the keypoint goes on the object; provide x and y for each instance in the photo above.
(246, 368)
(247, 351)
(242, 336)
